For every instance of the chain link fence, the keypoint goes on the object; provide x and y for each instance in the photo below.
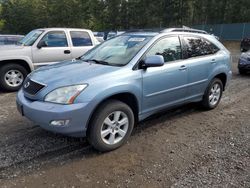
(234, 32)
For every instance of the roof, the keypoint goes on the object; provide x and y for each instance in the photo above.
(168, 30)
(6, 35)
(62, 28)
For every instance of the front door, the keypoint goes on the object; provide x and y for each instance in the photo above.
(56, 49)
(167, 85)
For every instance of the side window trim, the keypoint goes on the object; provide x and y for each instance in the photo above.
(55, 46)
(136, 66)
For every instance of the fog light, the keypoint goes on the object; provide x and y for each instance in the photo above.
(59, 122)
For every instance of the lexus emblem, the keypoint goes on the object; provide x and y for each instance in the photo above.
(27, 85)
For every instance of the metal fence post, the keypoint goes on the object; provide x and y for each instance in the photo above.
(243, 33)
(221, 30)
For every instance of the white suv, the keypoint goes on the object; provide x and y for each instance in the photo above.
(41, 47)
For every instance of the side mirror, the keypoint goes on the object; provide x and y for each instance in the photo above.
(153, 61)
(41, 44)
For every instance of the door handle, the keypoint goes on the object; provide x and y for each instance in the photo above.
(67, 51)
(213, 61)
(182, 68)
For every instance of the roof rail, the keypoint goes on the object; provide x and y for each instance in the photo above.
(143, 30)
(181, 29)
(190, 30)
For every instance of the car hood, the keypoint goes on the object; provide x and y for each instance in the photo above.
(70, 73)
(14, 51)
(11, 47)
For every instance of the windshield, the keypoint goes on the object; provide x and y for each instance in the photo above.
(30, 38)
(117, 51)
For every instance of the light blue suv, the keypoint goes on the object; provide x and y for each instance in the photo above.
(126, 79)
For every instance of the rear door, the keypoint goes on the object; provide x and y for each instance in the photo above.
(200, 58)
(81, 43)
(57, 48)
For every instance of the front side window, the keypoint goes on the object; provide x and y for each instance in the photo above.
(80, 38)
(169, 48)
(55, 39)
(117, 51)
(199, 47)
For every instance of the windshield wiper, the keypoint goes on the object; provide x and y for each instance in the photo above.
(98, 61)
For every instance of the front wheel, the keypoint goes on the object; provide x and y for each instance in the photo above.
(12, 77)
(213, 94)
(241, 71)
(111, 126)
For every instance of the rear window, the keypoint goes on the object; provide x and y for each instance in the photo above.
(196, 47)
(80, 38)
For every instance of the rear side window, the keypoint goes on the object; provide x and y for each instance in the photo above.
(169, 48)
(55, 39)
(80, 38)
(196, 47)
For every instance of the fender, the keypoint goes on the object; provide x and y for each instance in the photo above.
(111, 91)
(219, 69)
(23, 58)
(105, 94)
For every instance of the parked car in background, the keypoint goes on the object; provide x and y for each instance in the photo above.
(125, 80)
(99, 36)
(100, 39)
(10, 39)
(244, 63)
(111, 34)
(245, 44)
(41, 47)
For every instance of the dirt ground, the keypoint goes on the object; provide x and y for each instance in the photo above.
(184, 147)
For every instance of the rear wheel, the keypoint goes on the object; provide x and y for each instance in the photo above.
(12, 77)
(111, 126)
(213, 94)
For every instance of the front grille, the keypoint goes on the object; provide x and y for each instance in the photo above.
(31, 87)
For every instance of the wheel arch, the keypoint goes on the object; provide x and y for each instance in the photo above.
(223, 78)
(126, 97)
(27, 65)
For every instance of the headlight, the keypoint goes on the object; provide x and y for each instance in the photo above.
(65, 95)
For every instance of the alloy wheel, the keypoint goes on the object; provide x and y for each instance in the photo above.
(215, 94)
(114, 127)
(13, 78)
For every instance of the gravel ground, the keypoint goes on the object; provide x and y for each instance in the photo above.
(184, 147)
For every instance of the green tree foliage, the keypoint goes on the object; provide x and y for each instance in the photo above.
(1, 20)
(21, 16)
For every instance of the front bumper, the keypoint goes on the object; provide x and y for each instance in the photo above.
(43, 113)
(244, 65)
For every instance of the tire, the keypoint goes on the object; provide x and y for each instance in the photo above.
(242, 71)
(12, 77)
(208, 102)
(98, 129)
(243, 50)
